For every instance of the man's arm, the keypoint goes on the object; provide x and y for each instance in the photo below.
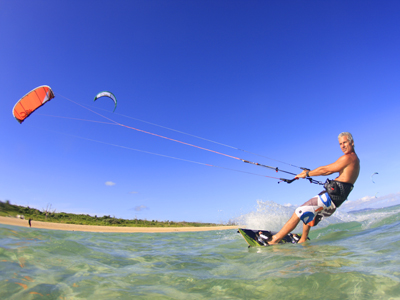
(337, 166)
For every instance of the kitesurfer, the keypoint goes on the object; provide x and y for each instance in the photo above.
(335, 193)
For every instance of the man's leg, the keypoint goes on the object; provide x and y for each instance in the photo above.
(287, 228)
(306, 230)
(310, 213)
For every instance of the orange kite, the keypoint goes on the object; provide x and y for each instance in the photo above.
(32, 101)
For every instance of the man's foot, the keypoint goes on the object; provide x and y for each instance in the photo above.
(302, 240)
(273, 240)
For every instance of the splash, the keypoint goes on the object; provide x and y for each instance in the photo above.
(269, 215)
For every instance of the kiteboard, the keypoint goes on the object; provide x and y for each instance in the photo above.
(259, 238)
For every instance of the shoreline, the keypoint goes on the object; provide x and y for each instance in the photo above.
(95, 228)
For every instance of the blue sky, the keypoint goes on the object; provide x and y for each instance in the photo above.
(277, 78)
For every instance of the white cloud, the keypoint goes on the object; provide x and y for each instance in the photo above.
(109, 183)
(372, 202)
(140, 207)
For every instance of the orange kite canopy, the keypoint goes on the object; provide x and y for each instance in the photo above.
(32, 101)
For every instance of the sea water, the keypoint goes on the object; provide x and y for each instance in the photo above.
(354, 256)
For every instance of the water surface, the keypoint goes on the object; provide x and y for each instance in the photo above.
(357, 258)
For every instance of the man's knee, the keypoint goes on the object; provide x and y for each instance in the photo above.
(304, 215)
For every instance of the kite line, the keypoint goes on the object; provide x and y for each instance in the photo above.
(276, 169)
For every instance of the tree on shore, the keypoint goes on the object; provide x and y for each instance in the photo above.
(48, 210)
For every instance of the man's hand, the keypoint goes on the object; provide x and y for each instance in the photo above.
(302, 174)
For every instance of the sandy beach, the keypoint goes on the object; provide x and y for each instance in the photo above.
(91, 228)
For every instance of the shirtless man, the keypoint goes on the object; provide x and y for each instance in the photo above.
(336, 191)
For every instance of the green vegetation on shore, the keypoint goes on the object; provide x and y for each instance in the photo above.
(47, 215)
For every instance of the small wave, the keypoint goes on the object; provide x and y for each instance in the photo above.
(377, 217)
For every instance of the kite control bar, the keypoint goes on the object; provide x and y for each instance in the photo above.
(279, 170)
(287, 180)
(308, 178)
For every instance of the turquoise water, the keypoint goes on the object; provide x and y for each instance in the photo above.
(358, 258)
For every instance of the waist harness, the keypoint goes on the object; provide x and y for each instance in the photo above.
(338, 191)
